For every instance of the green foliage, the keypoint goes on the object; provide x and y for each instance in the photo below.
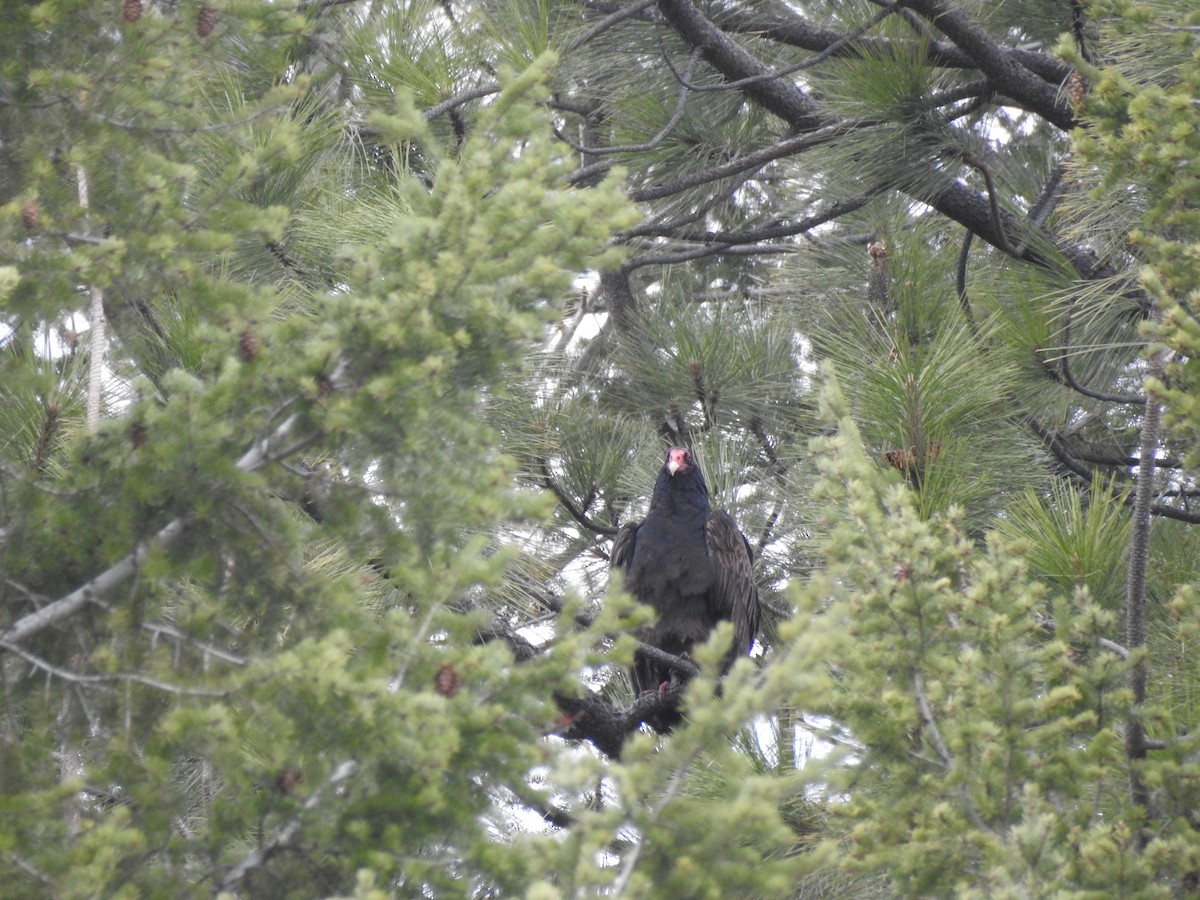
(295, 616)
(988, 756)
(1072, 540)
(257, 679)
(1146, 139)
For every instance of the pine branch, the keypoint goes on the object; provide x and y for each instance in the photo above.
(618, 15)
(658, 138)
(888, 9)
(787, 147)
(548, 481)
(460, 99)
(283, 838)
(264, 450)
(795, 31)
(730, 59)
(947, 195)
(998, 63)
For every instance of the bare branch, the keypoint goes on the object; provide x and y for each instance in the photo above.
(31, 870)
(129, 677)
(683, 666)
(943, 751)
(725, 55)
(781, 229)
(930, 722)
(460, 99)
(157, 628)
(1135, 593)
(108, 580)
(829, 51)
(796, 32)
(1114, 647)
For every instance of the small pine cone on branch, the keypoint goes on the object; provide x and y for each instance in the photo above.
(205, 20)
(288, 780)
(132, 11)
(31, 215)
(139, 435)
(248, 345)
(1077, 90)
(447, 681)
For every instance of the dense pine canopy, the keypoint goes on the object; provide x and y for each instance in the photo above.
(340, 340)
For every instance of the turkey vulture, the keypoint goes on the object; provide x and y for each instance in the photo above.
(692, 565)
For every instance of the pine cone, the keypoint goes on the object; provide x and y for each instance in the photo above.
(288, 780)
(205, 20)
(139, 436)
(248, 345)
(132, 10)
(447, 681)
(1076, 90)
(31, 215)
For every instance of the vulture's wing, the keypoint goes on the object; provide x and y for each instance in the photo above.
(622, 548)
(736, 595)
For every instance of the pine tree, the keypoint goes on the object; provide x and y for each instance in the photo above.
(319, 605)
(231, 601)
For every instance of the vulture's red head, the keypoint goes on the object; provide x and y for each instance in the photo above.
(680, 481)
(679, 460)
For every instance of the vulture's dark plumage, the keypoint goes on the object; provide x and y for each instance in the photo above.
(692, 565)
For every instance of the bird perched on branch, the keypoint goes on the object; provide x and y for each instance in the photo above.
(693, 566)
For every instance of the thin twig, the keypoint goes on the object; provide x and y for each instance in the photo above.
(548, 482)
(993, 203)
(1135, 594)
(1093, 393)
(29, 869)
(663, 133)
(129, 677)
(786, 147)
(608, 22)
(943, 751)
(205, 648)
(731, 245)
